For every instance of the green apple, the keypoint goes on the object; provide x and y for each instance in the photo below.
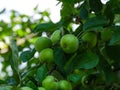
(49, 83)
(69, 43)
(55, 37)
(26, 88)
(46, 55)
(90, 38)
(42, 43)
(41, 88)
(64, 85)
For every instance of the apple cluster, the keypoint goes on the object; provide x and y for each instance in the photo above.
(69, 43)
(50, 83)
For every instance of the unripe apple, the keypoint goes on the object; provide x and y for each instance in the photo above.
(55, 37)
(26, 88)
(69, 43)
(46, 55)
(90, 38)
(42, 43)
(49, 83)
(64, 85)
(41, 88)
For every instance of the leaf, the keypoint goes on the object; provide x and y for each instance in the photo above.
(83, 13)
(11, 81)
(75, 78)
(59, 59)
(69, 64)
(41, 73)
(14, 59)
(67, 10)
(95, 22)
(116, 11)
(95, 5)
(86, 60)
(49, 26)
(5, 87)
(31, 85)
(27, 55)
(115, 40)
(113, 52)
(2, 81)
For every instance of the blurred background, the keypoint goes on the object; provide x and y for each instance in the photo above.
(26, 7)
(18, 18)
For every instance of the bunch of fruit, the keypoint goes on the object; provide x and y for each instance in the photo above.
(50, 83)
(69, 44)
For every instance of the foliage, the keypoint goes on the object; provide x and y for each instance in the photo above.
(88, 68)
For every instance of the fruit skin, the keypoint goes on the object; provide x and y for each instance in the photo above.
(69, 43)
(26, 88)
(64, 85)
(55, 37)
(46, 55)
(90, 38)
(49, 83)
(41, 88)
(42, 43)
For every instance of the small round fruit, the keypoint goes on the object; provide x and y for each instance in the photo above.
(46, 55)
(26, 88)
(55, 37)
(41, 88)
(42, 43)
(64, 85)
(69, 43)
(90, 38)
(49, 83)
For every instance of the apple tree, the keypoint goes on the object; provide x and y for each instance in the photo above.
(80, 52)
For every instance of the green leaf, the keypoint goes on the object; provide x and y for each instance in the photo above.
(31, 85)
(75, 78)
(15, 57)
(116, 11)
(84, 13)
(95, 5)
(67, 10)
(115, 40)
(113, 52)
(86, 60)
(2, 81)
(5, 87)
(49, 26)
(59, 59)
(69, 64)
(27, 55)
(11, 81)
(41, 73)
(14, 61)
(95, 22)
